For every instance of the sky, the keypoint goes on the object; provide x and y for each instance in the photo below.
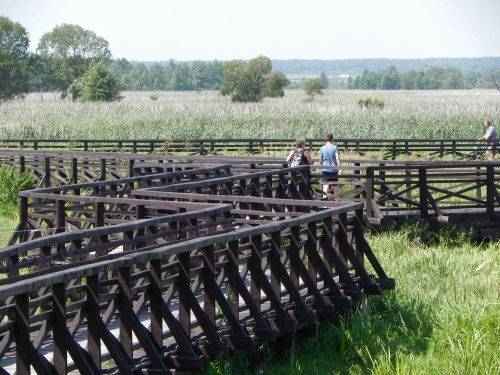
(186, 30)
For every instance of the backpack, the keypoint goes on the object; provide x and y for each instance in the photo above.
(298, 158)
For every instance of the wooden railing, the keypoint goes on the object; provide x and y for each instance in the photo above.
(51, 210)
(389, 148)
(389, 187)
(165, 307)
(99, 278)
(422, 189)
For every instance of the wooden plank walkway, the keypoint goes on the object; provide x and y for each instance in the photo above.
(8, 362)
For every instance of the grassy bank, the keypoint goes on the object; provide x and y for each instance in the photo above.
(441, 319)
(190, 115)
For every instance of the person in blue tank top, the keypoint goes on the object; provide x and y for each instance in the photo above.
(329, 155)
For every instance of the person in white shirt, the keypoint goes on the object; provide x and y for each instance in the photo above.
(490, 138)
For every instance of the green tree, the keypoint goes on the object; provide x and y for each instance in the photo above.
(275, 83)
(390, 79)
(325, 83)
(179, 79)
(312, 87)
(214, 74)
(138, 78)
(253, 81)
(120, 68)
(413, 80)
(490, 79)
(42, 75)
(433, 76)
(369, 80)
(453, 78)
(197, 76)
(14, 60)
(72, 49)
(156, 74)
(471, 79)
(97, 84)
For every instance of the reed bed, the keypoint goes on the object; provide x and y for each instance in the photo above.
(190, 115)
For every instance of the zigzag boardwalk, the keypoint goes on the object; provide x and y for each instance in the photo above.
(193, 280)
(156, 263)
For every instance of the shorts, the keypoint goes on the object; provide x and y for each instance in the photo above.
(330, 176)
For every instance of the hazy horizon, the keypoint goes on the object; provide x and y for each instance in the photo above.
(282, 30)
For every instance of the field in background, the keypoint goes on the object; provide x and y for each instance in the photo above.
(191, 115)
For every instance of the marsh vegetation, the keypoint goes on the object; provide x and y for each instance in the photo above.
(191, 115)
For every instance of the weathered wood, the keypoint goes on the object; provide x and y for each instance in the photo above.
(391, 148)
(199, 258)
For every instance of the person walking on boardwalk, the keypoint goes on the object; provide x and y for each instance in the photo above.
(329, 155)
(490, 138)
(299, 156)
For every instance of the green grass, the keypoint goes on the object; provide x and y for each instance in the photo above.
(7, 227)
(441, 319)
(188, 115)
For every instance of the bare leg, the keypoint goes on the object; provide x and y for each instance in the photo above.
(325, 190)
(336, 193)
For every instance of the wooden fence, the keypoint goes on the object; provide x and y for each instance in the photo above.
(388, 148)
(190, 283)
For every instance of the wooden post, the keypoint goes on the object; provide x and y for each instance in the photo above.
(490, 189)
(184, 285)
(23, 218)
(58, 318)
(61, 222)
(209, 283)
(74, 171)
(125, 307)
(102, 177)
(422, 187)
(22, 332)
(275, 260)
(156, 303)
(294, 255)
(342, 241)
(93, 323)
(359, 236)
(131, 172)
(99, 222)
(311, 254)
(47, 172)
(369, 193)
(232, 276)
(255, 263)
(327, 243)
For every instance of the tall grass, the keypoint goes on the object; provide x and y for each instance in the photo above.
(11, 183)
(441, 319)
(189, 115)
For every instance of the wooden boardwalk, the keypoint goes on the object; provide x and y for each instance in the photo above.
(196, 237)
(8, 362)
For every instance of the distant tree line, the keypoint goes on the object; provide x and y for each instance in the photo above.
(78, 63)
(355, 67)
(432, 77)
(198, 75)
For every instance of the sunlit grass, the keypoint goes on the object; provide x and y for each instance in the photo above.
(441, 319)
(189, 115)
(7, 227)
